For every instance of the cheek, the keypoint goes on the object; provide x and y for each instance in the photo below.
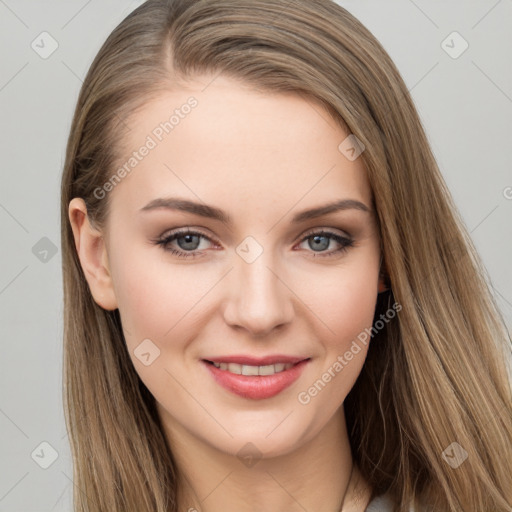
(342, 299)
(157, 300)
(343, 302)
(154, 297)
(139, 289)
(344, 328)
(351, 310)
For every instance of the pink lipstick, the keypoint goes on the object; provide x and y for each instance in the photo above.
(255, 378)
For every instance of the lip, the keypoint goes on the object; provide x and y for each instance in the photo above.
(256, 387)
(256, 361)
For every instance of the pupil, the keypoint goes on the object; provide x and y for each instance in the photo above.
(188, 240)
(317, 239)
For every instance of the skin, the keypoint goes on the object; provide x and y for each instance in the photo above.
(262, 158)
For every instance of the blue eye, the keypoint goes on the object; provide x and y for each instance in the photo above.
(322, 239)
(191, 240)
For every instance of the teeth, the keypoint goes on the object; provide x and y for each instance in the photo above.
(250, 370)
(267, 370)
(243, 369)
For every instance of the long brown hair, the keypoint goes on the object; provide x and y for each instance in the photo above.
(434, 376)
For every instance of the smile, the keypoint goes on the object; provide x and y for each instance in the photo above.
(243, 369)
(255, 382)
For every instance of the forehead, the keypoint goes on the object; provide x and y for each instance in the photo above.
(225, 143)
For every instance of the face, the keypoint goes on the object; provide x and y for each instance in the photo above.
(213, 258)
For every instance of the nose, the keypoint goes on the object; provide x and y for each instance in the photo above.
(259, 299)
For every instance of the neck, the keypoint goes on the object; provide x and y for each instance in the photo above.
(317, 475)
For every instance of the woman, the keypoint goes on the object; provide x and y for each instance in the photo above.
(328, 341)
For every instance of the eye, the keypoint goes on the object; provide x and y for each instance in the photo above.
(187, 240)
(320, 240)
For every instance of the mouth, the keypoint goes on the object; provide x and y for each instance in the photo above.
(255, 381)
(245, 369)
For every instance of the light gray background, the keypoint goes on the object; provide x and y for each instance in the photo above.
(465, 104)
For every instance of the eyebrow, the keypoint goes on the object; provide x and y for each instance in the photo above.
(204, 210)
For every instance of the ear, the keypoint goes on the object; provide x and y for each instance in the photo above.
(92, 252)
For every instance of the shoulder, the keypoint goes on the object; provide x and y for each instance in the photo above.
(382, 503)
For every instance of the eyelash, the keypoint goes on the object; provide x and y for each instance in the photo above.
(345, 242)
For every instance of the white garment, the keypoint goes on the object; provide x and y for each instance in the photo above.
(382, 503)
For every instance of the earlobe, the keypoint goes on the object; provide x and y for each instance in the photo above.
(92, 252)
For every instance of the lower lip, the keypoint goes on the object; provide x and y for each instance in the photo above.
(256, 387)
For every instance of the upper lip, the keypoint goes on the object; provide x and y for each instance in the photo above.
(257, 361)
